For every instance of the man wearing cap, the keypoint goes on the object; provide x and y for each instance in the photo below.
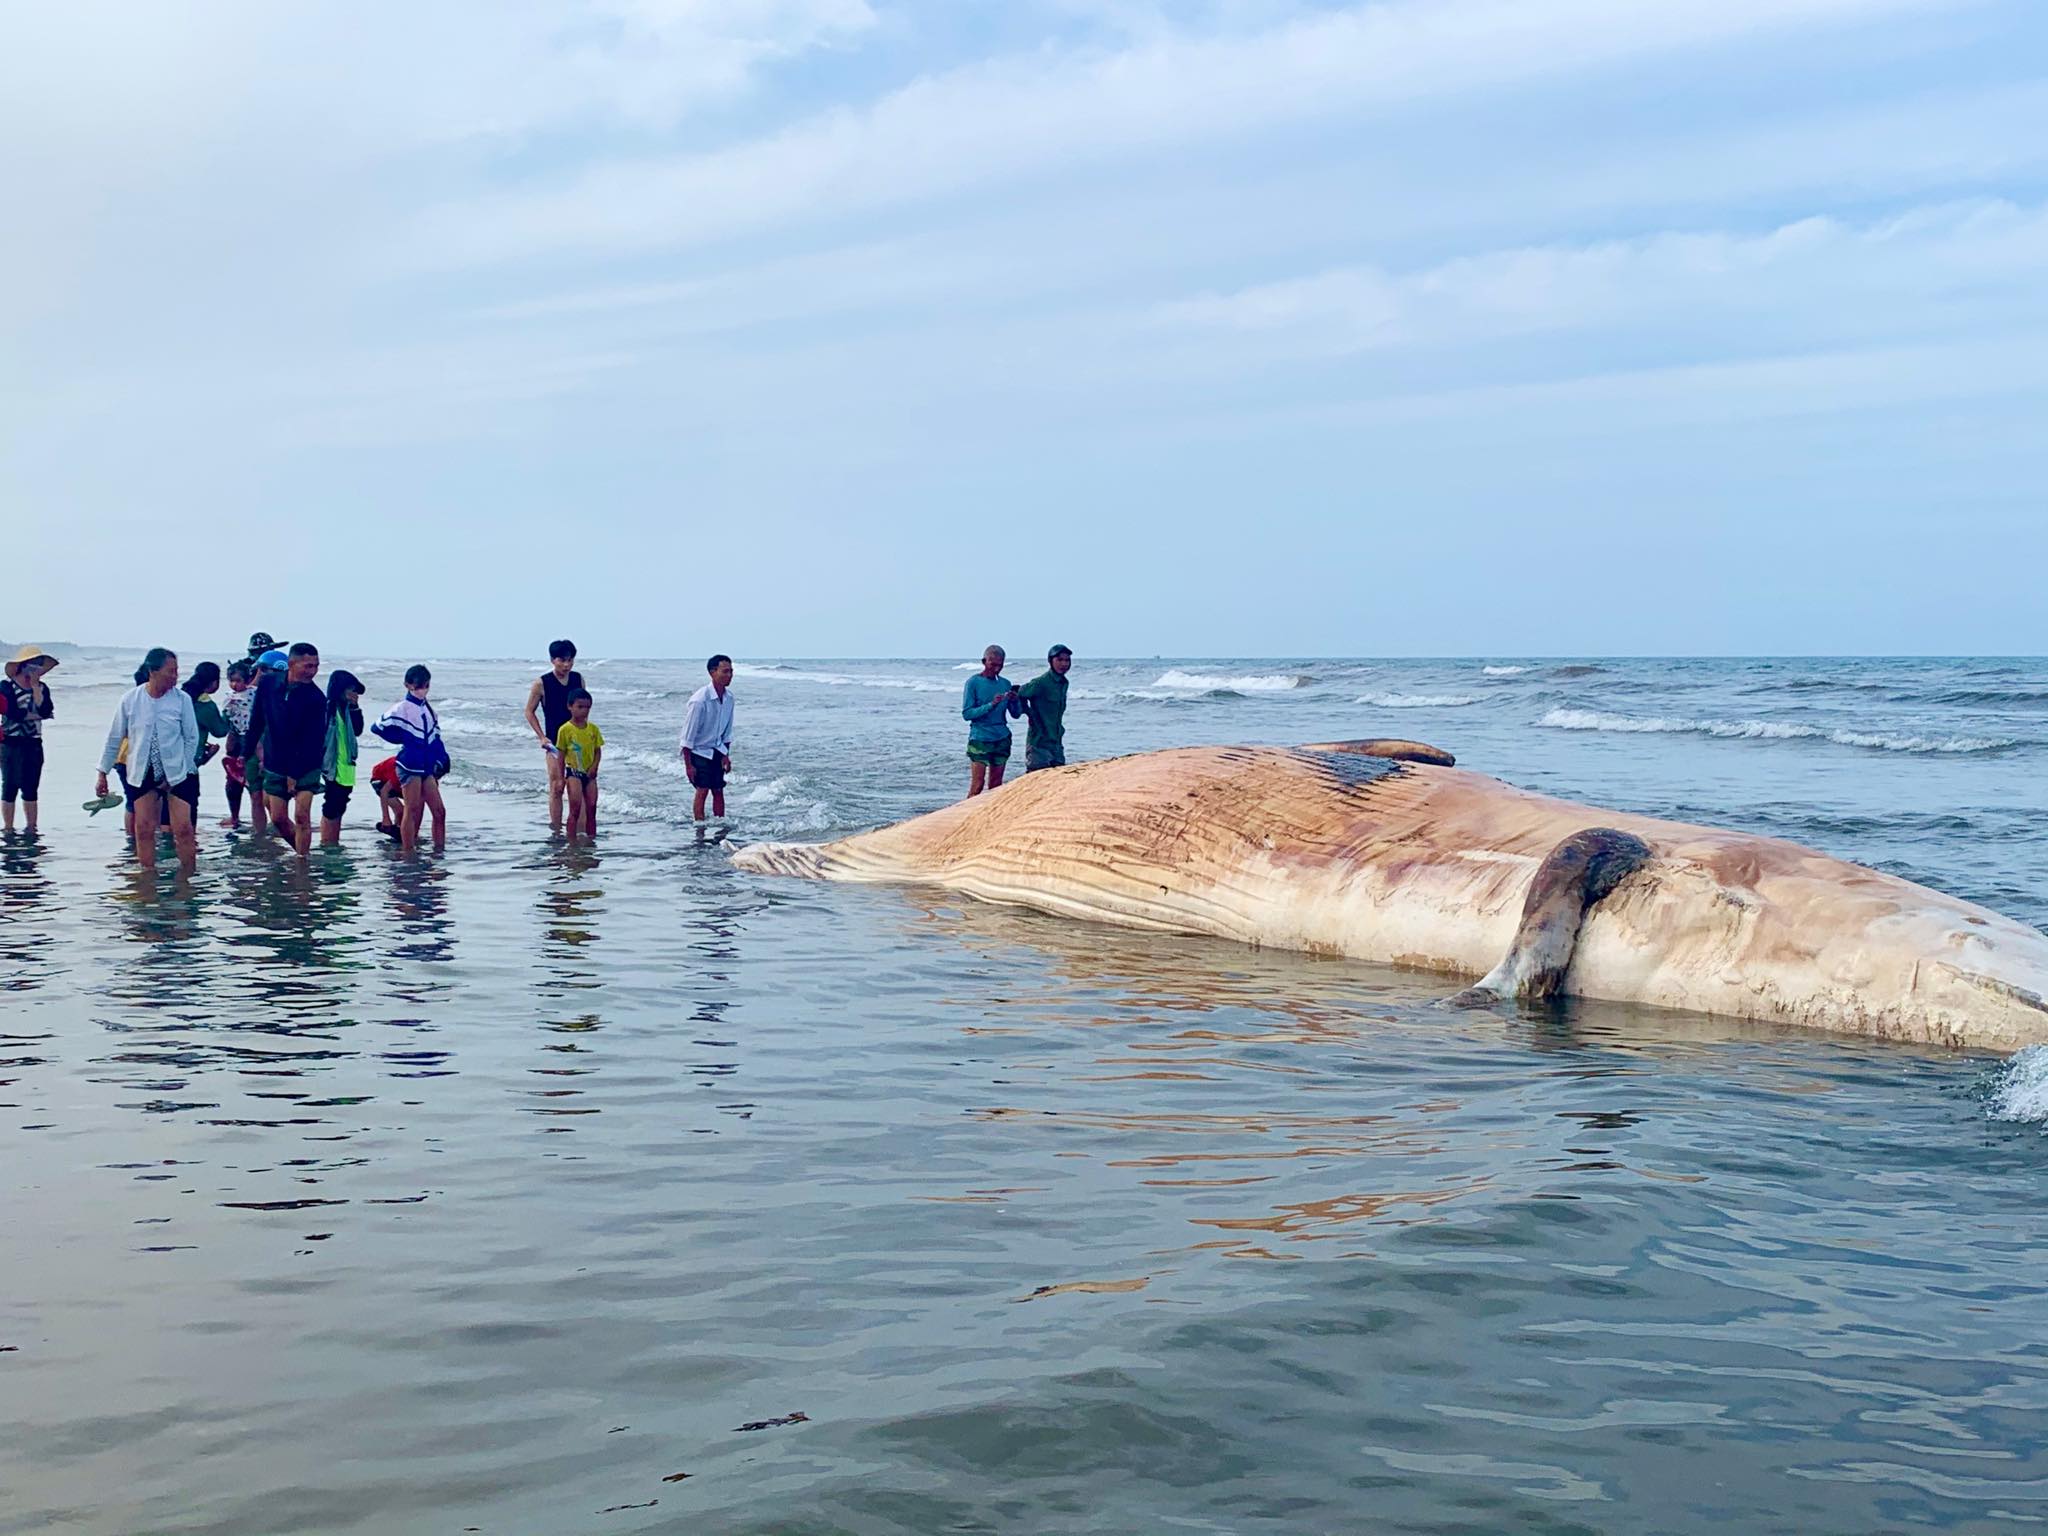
(1045, 708)
(24, 706)
(261, 646)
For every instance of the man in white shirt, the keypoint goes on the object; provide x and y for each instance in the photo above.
(156, 719)
(706, 747)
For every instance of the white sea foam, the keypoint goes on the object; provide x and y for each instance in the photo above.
(781, 803)
(2021, 1089)
(1416, 700)
(1203, 682)
(767, 793)
(1503, 671)
(667, 766)
(462, 727)
(1764, 730)
(839, 680)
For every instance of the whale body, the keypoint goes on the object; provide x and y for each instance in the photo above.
(1403, 860)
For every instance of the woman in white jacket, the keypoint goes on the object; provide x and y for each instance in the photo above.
(156, 719)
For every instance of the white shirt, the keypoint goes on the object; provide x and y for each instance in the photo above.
(707, 724)
(163, 735)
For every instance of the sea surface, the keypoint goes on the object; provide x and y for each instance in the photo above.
(536, 1189)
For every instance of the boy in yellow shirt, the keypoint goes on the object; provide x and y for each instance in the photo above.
(582, 747)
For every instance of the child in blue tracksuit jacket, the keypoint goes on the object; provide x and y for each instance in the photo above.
(422, 758)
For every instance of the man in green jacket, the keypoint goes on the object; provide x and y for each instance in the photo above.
(1045, 708)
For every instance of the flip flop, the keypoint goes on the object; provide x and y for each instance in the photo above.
(104, 802)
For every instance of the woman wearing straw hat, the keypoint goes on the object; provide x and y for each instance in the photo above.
(24, 706)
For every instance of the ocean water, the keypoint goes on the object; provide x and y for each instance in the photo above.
(533, 1189)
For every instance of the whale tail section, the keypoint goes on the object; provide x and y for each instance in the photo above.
(1574, 877)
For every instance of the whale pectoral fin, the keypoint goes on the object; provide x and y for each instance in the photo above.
(1481, 994)
(1573, 878)
(1388, 747)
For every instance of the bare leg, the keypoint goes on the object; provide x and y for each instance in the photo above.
(259, 803)
(995, 774)
(977, 775)
(28, 814)
(146, 813)
(574, 792)
(302, 822)
(557, 784)
(330, 831)
(718, 802)
(433, 797)
(182, 835)
(590, 809)
(697, 804)
(414, 791)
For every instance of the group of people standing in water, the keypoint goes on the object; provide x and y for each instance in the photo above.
(286, 740)
(558, 713)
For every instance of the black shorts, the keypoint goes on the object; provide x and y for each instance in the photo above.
(707, 772)
(21, 768)
(334, 800)
(187, 790)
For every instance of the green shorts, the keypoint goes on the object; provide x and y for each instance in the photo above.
(274, 784)
(989, 751)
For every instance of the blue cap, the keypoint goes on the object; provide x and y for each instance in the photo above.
(272, 661)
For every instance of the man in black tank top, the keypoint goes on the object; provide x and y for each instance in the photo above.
(547, 711)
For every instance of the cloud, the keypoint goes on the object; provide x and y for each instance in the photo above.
(381, 79)
(1984, 256)
(1014, 117)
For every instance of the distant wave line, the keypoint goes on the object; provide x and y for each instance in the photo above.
(1416, 700)
(1261, 682)
(1766, 730)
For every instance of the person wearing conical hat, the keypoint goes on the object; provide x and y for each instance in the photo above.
(24, 705)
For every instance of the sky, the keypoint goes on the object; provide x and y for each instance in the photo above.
(892, 327)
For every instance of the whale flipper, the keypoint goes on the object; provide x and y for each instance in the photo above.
(1574, 877)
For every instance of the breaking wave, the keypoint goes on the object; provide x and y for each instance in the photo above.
(1765, 730)
(839, 679)
(1203, 682)
(1416, 700)
(669, 767)
(2019, 1091)
(1503, 671)
(459, 726)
